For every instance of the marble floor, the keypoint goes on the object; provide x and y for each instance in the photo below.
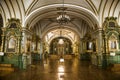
(70, 69)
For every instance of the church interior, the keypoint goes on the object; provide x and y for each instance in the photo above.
(59, 39)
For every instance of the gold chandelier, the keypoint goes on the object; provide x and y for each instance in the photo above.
(63, 18)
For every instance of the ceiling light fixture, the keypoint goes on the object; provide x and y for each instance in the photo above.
(63, 18)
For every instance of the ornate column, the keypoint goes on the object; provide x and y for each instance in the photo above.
(48, 48)
(41, 48)
(24, 39)
(100, 47)
(81, 46)
(3, 40)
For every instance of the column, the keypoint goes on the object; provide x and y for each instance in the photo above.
(48, 49)
(3, 40)
(104, 56)
(41, 49)
(24, 50)
(81, 48)
(100, 47)
(24, 40)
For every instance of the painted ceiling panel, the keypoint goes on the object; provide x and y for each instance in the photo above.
(82, 3)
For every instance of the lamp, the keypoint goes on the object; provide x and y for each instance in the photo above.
(63, 18)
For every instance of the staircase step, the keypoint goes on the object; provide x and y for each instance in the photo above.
(67, 56)
(116, 67)
(6, 69)
(54, 57)
(4, 73)
(5, 65)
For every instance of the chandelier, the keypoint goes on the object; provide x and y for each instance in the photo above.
(63, 18)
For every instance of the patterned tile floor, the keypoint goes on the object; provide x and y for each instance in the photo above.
(71, 69)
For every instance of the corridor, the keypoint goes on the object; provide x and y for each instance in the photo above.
(69, 69)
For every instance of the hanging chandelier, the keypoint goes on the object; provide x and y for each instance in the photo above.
(63, 18)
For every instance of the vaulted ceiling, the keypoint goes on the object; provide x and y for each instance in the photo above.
(39, 15)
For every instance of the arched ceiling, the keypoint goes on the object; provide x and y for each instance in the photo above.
(87, 14)
(72, 36)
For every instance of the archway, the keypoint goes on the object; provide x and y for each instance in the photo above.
(61, 46)
(61, 41)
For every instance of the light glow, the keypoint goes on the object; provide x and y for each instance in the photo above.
(61, 41)
(61, 60)
(112, 53)
(1, 53)
(61, 69)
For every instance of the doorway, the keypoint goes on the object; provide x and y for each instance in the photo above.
(61, 46)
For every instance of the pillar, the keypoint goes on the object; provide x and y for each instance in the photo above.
(100, 47)
(81, 46)
(3, 40)
(24, 40)
(41, 49)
